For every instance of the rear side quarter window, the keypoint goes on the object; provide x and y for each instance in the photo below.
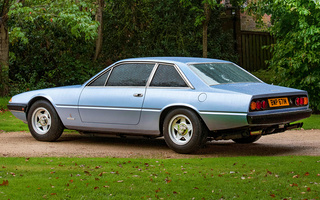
(167, 76)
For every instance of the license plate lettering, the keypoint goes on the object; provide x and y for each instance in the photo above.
(276, 102)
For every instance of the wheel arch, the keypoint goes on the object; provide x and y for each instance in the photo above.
(168, 109)
(46, 130)
(38, 98)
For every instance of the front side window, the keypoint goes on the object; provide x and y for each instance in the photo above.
(101, 80)
(219, 73)
(133, 74)
(167, 76)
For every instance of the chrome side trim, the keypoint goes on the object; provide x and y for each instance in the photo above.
(144, 110)
(222, 113)
(194, 63)
(110, 108)
(67, 106)
(150, 110)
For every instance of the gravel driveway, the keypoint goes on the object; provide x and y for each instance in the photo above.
(22, 144)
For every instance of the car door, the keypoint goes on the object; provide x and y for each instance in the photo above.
(116, 96)
(168, 87)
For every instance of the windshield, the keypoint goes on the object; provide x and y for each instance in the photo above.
(218, 73)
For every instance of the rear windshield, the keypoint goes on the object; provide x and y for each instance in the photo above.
(219, 73)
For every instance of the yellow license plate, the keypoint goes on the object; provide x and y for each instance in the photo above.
(276, 102)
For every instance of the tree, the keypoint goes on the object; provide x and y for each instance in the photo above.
(99, 18)
(296, 54)
(4, 48)
(52, 43)
(204, 9)
(45, 21)
(148, 28)
(205, 23)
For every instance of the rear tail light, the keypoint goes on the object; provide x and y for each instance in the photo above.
(262, 104)
(258, 105)
(302, 101)
(298, 101)
(253, 105)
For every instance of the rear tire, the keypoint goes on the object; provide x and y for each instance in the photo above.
(247, 140)
(44, 122)
(183, 131)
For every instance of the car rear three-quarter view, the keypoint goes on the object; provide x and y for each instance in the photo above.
(185, 100)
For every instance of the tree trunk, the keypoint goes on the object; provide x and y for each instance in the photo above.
(99, 18)
(4, 50)
(4, 60)
(205, 25)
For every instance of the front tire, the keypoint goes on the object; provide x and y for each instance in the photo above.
(183, 131)
(44, 122)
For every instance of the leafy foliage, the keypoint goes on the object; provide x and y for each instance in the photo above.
(3, 103)
(157, 28)
(197, 7)
(52, 42)
(148, 28)
(296, 25)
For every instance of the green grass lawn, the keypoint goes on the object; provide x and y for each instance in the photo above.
(312, 122)
(133, 178)
(124, 178)
(10, 123)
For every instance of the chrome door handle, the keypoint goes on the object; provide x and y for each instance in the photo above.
(138, 95)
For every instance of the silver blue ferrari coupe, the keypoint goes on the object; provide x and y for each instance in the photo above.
(185, 100)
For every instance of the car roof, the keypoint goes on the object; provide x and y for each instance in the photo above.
(185, 60)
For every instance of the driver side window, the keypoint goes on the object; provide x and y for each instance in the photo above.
(133, 74)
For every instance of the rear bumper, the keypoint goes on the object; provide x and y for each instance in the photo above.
(277, 118)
